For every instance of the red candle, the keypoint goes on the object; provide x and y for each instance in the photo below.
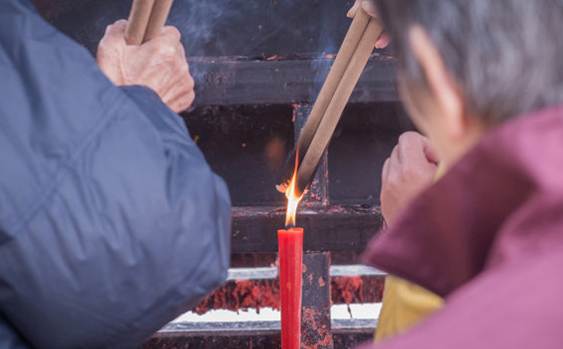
(290, 260)
(290, 245)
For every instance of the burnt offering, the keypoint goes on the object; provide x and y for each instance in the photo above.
(258, 68)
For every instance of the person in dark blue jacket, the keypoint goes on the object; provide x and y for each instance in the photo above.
(111, 221)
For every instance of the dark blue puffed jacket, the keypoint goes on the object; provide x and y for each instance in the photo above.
(111, 221)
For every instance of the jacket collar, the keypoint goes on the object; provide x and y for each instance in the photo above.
(481, 213)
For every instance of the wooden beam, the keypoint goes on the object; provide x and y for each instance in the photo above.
(228, 81)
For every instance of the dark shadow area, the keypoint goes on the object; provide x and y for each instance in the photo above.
(363, 140)
(247, 146)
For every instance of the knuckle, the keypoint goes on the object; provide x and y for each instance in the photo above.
(163, 50)
(184, 78)
(189, 98)
(405, 137)
(106, 40)
(180, 50)
(173, 31)
(121, 23)
(186, 69)
(395, 152)
(184, 103)
(153, 48)
(182, 67)
(168, 51)
(106, 45)
(190, 81)
(392, 177)
(190, 84)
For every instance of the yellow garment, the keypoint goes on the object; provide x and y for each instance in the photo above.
(404, 303)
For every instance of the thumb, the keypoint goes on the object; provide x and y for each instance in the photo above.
(116, 32)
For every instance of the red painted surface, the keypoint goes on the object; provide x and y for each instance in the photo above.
(243, 295)
(349, 288)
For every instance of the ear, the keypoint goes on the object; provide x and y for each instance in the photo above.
(443, 87)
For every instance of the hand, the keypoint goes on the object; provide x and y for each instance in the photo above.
(410, 169)
(367, 5)
(159, 64)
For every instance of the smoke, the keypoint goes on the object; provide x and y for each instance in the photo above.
(324, 57)
(258, 29)
(231, 29)
(206, 26)
(198, 21)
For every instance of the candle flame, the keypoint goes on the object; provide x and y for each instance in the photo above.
(292, 202)
(292, 198)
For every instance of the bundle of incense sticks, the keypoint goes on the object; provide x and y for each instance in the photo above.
(335, 93)
(146, 20)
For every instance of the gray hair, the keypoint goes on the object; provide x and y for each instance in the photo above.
(506, 55)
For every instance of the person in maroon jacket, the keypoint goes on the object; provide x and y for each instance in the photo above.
(484, 81)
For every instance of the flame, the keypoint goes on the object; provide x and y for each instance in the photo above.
(292, 203)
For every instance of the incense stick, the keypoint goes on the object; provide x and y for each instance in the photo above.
(159, 14)
(335, 93)
(146, 20)
(345, 53)
(138, 21)
(349, 45)
(336, 106)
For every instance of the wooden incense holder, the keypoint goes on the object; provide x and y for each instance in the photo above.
(335, 93)
(146, 20)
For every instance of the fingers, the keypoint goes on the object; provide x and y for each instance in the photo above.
(181, 51)
(429, 151)
(415, 147)
(393, 165)
(118, 27)
(171, 34)
(412, 151)
(159, 64)
(182, 103)
(116, 31)
(182, 95)
(385, 171)
(369, 8)
(366, 5)
(161, 51)
(407, 172)
(167, 46)
(354, 9)
(110, 49)
(180, 92)
(410, 147)
(383, 41)
(396, 154)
